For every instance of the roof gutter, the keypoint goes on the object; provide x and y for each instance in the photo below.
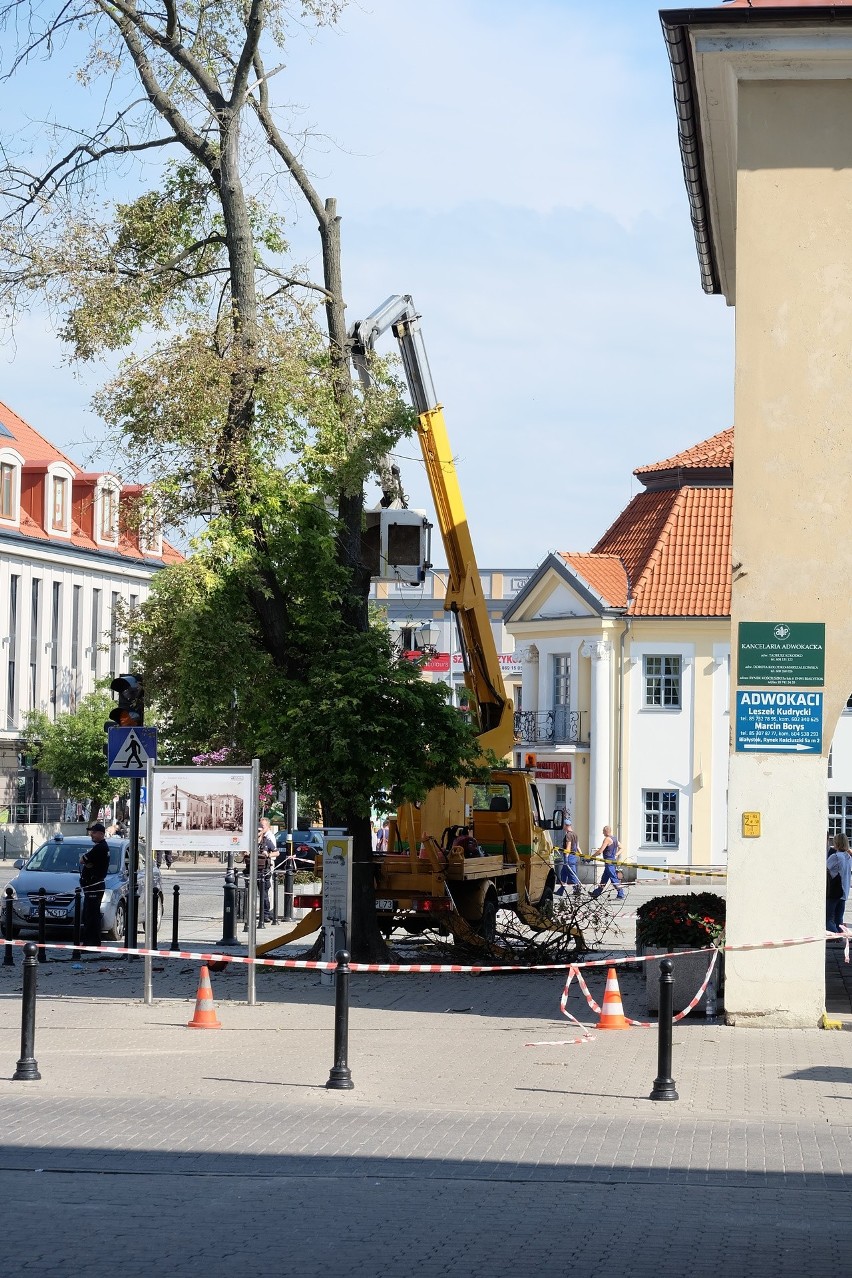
(689, 139)
(676, 24)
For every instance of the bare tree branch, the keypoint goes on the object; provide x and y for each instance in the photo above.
(276, 141)
(254, 29)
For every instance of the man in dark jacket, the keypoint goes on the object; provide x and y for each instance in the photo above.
(94, 866)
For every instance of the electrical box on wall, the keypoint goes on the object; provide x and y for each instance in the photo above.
(396, 545)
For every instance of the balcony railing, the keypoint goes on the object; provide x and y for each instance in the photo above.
(559, 726)
(28, 812)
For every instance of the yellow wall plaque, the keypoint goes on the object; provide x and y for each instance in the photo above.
(751, 825)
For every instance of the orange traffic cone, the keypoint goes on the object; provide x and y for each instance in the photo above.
(204, 1016)
(612, 1013)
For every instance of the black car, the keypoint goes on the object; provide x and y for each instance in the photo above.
(307, 846)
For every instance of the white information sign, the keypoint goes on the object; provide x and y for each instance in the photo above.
(336, 897)
(202, 810)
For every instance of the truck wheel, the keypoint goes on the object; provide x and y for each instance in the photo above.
(487, 928)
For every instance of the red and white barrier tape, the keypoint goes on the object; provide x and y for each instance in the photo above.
(428, 968)
(596, 1008)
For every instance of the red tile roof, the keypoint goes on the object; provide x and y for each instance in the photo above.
(714, 453)
(604, 573)
(36, 450)
(673, 544)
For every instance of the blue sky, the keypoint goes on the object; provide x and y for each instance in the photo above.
(514, 168)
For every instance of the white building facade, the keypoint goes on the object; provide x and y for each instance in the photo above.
(68, 562)
(625, 657)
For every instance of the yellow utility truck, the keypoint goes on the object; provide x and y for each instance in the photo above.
(422, 879)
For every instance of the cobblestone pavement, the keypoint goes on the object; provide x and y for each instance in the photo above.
(208, 1189)
(461, 1151)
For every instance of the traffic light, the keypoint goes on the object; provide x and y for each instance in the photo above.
(130, 711)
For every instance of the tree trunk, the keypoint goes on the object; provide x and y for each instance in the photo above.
(367, 942)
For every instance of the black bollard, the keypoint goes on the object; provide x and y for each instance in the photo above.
(340, 1077)
(175, 918)
(151, 938)
(27, 1069)
(275, 881)
(289, 876)
(664, 1085)
(42, 925)
(9, 955)
(78, 923)
(246, 894)
(229, 910)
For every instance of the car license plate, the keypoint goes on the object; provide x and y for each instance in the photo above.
(55, 914)
(386, 905)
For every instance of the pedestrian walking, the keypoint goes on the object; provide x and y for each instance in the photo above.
(567, 867)
(94, 866)
(609, 851)
(838, 876)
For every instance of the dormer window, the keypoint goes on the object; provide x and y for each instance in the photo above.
(59, 504)
(10, 485)
(151, 535)
(57, 499)
(106, 512)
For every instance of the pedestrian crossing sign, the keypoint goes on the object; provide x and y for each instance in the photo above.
(129, 749)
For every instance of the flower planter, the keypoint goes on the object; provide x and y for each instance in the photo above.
(689, 971)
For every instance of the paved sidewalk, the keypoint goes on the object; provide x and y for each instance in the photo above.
(460, 1151)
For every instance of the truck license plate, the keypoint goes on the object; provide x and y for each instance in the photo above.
(385, 905)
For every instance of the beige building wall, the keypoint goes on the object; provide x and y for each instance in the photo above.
(792, 550)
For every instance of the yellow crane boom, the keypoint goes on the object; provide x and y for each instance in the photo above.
(464, 598)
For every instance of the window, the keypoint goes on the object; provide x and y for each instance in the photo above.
(150, 534)
(560, 797)
(113, 636)
(96, 631)
(660, 808)
(13, 651)
(517, 583)
(59, 505)
(492, 798)
(8, 485)
(840, 814)
(109, 514)
(54, 644)
(36, 596)
(562, 698)
(662, 682)
(131, 643)
(76, 644)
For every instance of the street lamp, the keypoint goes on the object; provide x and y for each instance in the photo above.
(427, 639)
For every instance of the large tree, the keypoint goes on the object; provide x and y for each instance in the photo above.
(70, 749)
(236, 397)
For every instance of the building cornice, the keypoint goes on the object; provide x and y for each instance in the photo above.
(60, 552)
(712, 195)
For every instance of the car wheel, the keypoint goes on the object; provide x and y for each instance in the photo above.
(118, 931)
(487, 927)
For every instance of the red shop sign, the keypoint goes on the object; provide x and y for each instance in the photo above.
(557, 771)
